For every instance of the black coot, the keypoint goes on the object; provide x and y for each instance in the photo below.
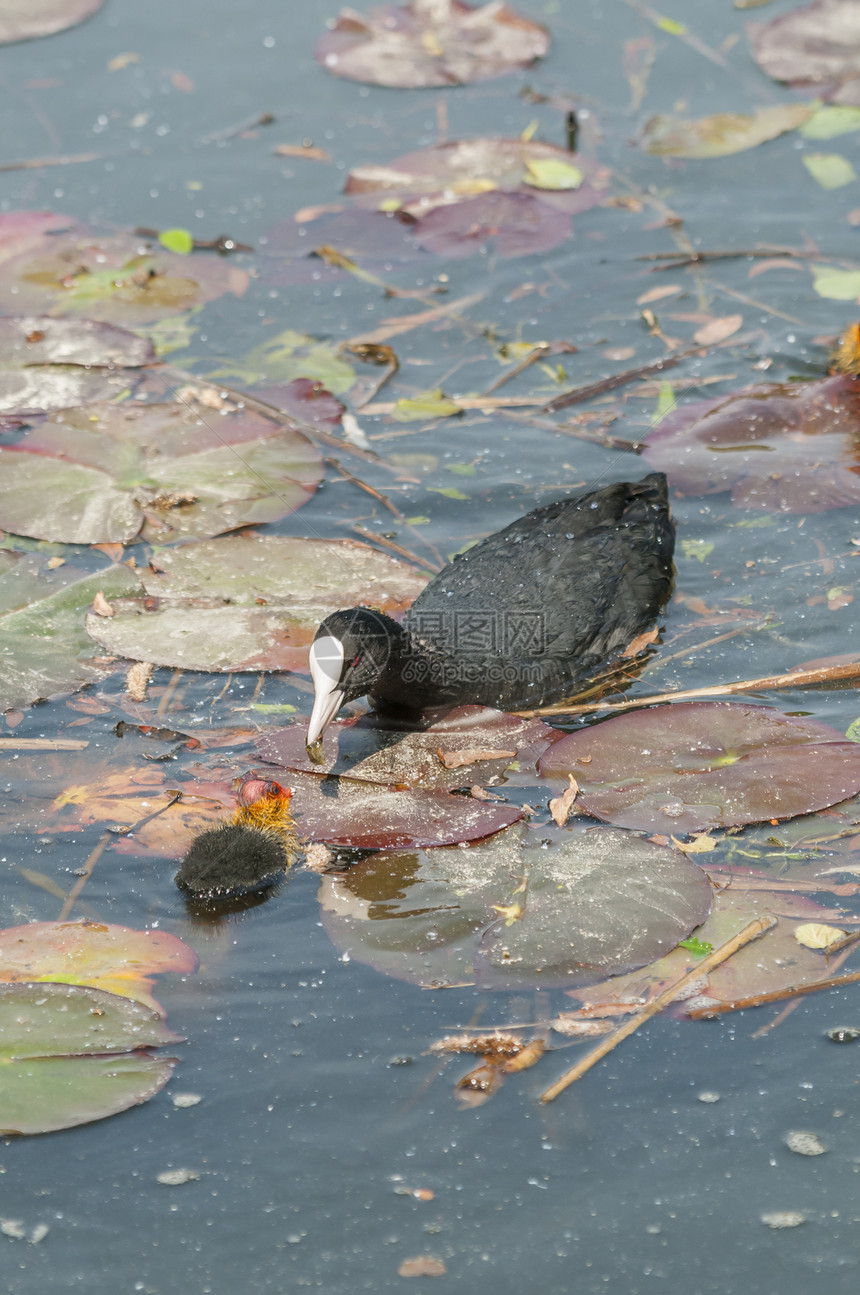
(518, 620)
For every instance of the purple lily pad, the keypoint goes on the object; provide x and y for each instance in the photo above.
(429, 43)
(375, 239)
(48, 364)
(26, 19)
(303, 399)
(814, 46)
(515, 224)
(695, 765)
(563, 907)
(783, 447)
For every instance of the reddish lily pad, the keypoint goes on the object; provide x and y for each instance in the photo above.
(378, 749)
(512, 224)
(697, 765)
(112, 958)
(250, 602)
(108, 473)
(304, 399)
(429, 43)
(786, 447)
(70, 1055)
(44, 648)
(48, 364)
(26, 19)
(57, 266)
(816, 46)
(523, 909)
(374, 239)
(448, 174)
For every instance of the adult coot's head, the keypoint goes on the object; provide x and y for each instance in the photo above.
(349, 653)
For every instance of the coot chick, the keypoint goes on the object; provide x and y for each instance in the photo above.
(517, 620)
(249, 851)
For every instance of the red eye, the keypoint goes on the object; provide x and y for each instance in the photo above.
(355, 662)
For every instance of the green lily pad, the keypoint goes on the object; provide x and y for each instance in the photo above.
(290, 355)
(559, 907)
(697, 765)
(44, 647)
(250, 602)
(70, 1055)
(108, 473)
(26, 19)
(48, 364)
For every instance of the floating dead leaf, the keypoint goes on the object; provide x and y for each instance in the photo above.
(641, 642)
(700, 844)
(657, 294)
(430, 42)
(723, 132)
(816, 46)
(717, 330)
(560, 806)
(101, 606)
(302, 150)
(422, 1266)
(26, 19)
(815, 935)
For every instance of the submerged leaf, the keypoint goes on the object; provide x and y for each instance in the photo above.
(818, 44)
(48, 364)
(697, 765)
(831, 170)
(584, 904)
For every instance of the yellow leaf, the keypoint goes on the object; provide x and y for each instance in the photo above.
(815, 935)
(510, 912)
(700, 844)
(552, 173)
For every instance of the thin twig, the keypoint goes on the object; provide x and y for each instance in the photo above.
(33, 163)
(703, 968)
(386, 503)
(390, 544)
(578, 394)
(671, 260)
(795, 679)
(759, 1000)
(92, 859)
(42, 744)
(167, 695)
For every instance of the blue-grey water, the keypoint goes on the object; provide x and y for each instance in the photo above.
(311, 1124)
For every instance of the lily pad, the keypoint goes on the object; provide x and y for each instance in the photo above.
(116, 959)
(70, 1055)
(562, 907)
(430, 43)
(695, 765)
(782, 447)
(511, 224)
(250, 602)
(108, 473)
(816, 46)
(452, 173)
(44, 648)
(48, 364)
(58, 266)
(26, 19)
(723, 132)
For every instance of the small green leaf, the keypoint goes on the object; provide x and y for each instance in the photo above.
(696, 946)
(176, 240)
(754, 523)
(265, 709)
(853, 731)
(831, 170)
(670, 25)
(448, 491)
(838, 285)
(826, 122)
(665, 402)
(700, 549)
(429, 404)
(552, 173)
(389, 204)
(418, 521)
(462, 469)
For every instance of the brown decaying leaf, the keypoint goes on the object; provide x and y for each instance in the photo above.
(560, 806)
(137, 680)
(457, 759)
(101, 606)
(422, 1266)
(302, 150)
(641, 641)
(718, 330)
